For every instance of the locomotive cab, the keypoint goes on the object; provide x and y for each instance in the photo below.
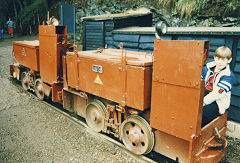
(177, 104)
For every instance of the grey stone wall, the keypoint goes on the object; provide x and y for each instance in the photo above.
(98, 7)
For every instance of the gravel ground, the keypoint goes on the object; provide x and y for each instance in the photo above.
(31, 131)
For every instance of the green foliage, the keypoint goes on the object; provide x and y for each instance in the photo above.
(83, 3)
(27, 14)
(184, 8)
(5, 11)
(232, 6)
(189, 8)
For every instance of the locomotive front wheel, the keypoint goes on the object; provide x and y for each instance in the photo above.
(95, 115)
(137, 135)
(39, 90)
(25, 81)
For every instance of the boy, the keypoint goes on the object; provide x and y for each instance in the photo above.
(218, 83)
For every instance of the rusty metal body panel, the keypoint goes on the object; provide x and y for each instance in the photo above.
(171, 146)
(72, 71)
(138, 86)
(106, 84)
(50, 44)
(199, 149)
(68, 98)
(102, 73)
(203, 146)
(177, 89)
(57, 92)
(27, 54)
(170, 112)
(74, 101)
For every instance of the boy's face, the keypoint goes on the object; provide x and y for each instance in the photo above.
(221, 63)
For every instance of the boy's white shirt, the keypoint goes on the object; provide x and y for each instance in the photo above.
(222, 99)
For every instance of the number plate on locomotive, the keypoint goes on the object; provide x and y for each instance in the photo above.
(97, 68)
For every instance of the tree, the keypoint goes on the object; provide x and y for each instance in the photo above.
(27, 14)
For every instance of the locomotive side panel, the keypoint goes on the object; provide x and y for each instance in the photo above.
(106, 74)
(50, 38)
(176, 106)
(178, 62)
(172, 146)
(139, 87)
(74, 102)
(72, 75)
(175, 110)
(101, 78)
(26, 53)
(48, 59)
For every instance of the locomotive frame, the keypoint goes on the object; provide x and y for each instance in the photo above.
(148, 101)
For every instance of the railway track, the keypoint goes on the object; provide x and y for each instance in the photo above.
(79, 121)
(152, 157)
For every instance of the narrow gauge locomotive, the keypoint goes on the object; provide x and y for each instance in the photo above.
(148, 101)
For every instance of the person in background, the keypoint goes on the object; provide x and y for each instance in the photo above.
(219, 80)
(1, 30)
(11, 26)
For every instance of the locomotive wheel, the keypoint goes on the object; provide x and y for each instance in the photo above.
(39, 90)
(95, 115)
(137, 135)
(25, 81)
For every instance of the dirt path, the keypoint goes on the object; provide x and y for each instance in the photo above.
(31, 131)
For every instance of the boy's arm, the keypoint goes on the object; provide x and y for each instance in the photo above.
(224, 86)
(213, 96)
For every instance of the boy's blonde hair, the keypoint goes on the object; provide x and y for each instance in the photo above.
(223, 52)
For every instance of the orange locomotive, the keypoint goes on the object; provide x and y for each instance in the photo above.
(149, 101)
